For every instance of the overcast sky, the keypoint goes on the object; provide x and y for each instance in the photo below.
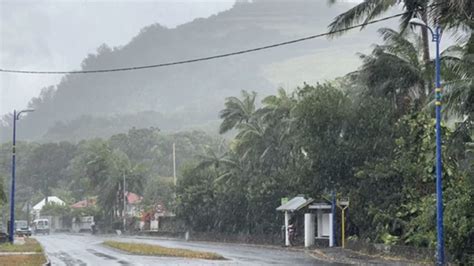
(57, 35)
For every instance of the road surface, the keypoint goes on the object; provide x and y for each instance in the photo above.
(75, 249)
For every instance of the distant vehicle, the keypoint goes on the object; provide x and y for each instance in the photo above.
(22, 228)
(41, 226)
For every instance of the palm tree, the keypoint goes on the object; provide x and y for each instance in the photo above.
(371, 9)
(451, 14)
(458, 70)
(394, 70)
(237, 111)
(455, 14)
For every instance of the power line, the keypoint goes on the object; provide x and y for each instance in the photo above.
(203, 58)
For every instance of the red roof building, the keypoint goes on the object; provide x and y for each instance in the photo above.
(133, 198)
(84, 203)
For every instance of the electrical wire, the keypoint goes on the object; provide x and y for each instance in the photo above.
(194, 60)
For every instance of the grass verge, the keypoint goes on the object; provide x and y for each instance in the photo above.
(31, 245)
(156, 250)
(23, 260)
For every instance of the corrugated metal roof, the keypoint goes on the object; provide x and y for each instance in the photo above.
(321, 206)
(295, 204)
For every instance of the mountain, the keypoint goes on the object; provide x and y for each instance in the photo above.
(190, 95)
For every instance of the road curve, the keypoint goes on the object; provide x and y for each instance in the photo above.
(75, 249)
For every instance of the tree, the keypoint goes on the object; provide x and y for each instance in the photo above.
(368, 10)
(393, 71)
(237, 111)
(458, 73)
(45, 166)
(3, 196)
(53, 209)
(105, 170)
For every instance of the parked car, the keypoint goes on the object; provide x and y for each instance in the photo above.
(41, 226)
(22, 228)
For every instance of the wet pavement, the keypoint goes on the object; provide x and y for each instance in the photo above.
(76, 249)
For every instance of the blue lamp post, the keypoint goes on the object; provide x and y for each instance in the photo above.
(436, 34)
(11, 236)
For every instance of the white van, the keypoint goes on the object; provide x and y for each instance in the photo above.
(41, 226)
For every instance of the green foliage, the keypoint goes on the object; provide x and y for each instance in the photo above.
(159, 190)
(319, 139)
(53, 209)
(367, 135)
(87, 211)
(3, 196)
(97, 168)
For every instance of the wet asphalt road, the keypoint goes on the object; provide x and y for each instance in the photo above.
(75, 249)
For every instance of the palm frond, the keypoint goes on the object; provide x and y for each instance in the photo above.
(364, 11)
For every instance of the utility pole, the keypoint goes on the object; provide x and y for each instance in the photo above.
(124, 204)
(28, 213)
(174, 164)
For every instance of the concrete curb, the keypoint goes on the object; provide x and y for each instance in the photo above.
(276, 247)
(48, 262)
(18, 253)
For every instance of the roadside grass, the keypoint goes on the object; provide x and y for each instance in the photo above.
(23, 260)
(156, 250)
(31, 245)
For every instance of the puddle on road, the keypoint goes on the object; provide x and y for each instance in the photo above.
(67, 259)
(108, 257)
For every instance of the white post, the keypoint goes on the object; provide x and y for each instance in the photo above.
(308, 229)
(287, 237)
(331, 238)
(319, 214)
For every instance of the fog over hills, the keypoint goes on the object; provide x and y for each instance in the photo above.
(190, 96)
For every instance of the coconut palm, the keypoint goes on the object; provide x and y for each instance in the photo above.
(112, 191)
(458, 79)
(237, 111)
(455, 14)
(394, 70)
(371, 9)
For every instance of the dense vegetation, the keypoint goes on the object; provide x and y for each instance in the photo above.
(368, 135)
(96, 168)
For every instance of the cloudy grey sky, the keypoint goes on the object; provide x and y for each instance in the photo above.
(57, 35)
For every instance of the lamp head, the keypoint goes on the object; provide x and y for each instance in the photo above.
(23, 111)
(417, 22)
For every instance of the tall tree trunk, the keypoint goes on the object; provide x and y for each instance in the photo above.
(425, 39)
(426, 56)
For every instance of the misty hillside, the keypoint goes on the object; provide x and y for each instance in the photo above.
(190, 96)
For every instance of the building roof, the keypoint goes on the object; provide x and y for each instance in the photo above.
(84, 203)
(51, 199)
(295, 204)
(320, 206)
(133, 198)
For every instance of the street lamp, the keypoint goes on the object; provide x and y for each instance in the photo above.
(16, 116)
(436, 34)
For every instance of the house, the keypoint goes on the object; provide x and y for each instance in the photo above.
(132, 204)
(84, 203)
(56, 223)
(36, 211)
